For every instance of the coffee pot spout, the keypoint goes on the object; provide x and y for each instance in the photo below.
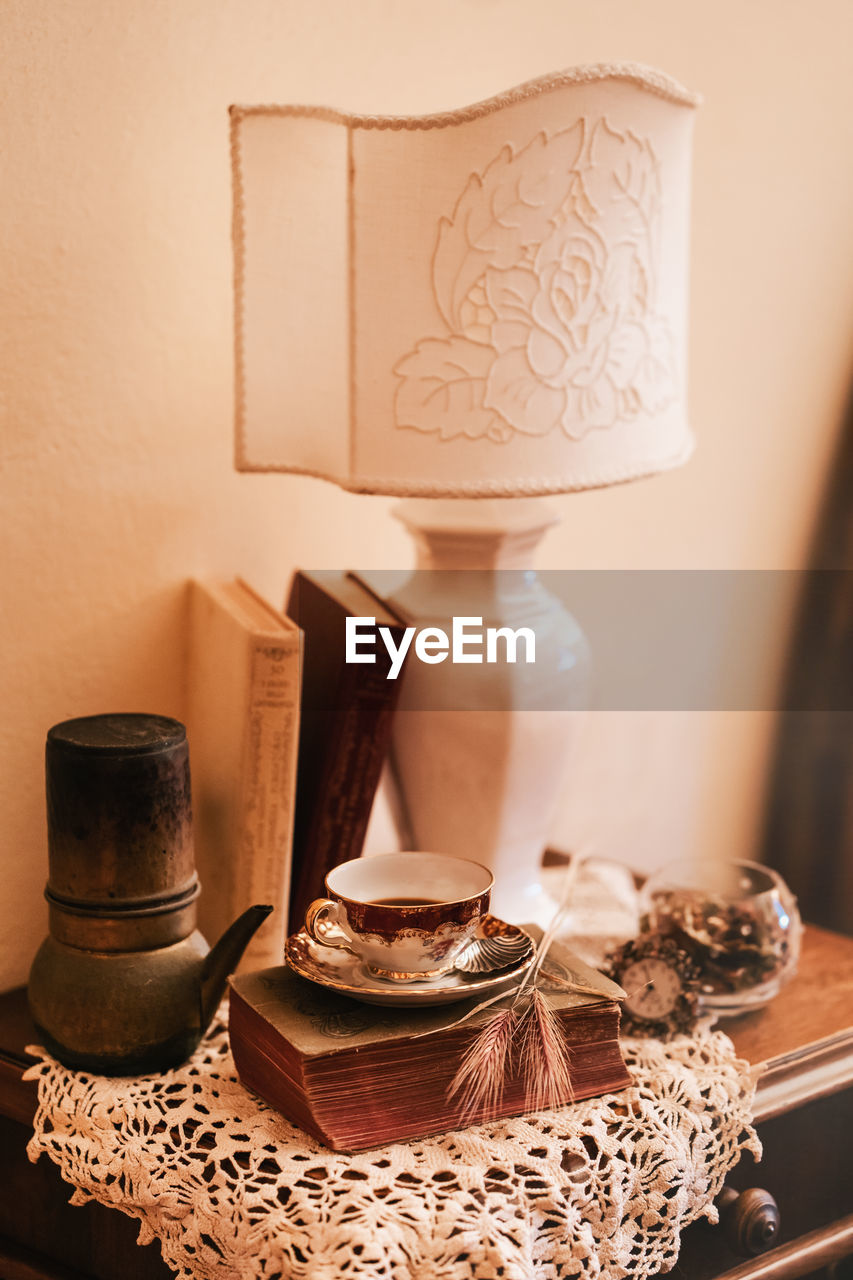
(223, 958)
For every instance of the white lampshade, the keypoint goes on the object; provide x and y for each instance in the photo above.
(485, 302)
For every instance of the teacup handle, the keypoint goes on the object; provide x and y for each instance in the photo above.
(323, 924)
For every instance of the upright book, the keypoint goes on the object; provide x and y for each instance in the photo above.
(243, 727)
(345, 731)
(356, 1076)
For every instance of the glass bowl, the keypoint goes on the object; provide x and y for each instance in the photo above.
(739, 920)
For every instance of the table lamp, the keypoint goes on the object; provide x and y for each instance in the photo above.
(470, 310)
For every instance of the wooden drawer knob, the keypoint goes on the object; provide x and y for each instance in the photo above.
(750, 1220)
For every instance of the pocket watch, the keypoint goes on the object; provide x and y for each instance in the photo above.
(661, 981)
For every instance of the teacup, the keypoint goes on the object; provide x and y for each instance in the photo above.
(407, 916)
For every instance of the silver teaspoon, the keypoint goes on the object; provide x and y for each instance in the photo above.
(494, 950)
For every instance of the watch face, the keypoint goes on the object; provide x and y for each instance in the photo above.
(653, 988)
(661, 981)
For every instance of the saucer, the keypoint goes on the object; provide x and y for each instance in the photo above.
(342, 971)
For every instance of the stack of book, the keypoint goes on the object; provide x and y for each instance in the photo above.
(287, 745)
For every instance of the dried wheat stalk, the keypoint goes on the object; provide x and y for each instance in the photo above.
(482, 1071)
(545, 1064)
(544, 1054)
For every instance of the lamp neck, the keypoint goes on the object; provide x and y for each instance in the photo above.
(475, 533)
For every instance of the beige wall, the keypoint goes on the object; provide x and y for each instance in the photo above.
(115, 387)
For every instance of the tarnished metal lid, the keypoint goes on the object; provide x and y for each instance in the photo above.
(119, 816)
(124, 733)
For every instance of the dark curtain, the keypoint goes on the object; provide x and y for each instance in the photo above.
(808, 833)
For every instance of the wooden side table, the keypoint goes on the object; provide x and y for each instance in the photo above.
(804, 1112)
(804, 1116)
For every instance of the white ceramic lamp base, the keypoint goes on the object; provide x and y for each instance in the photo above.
(481, 782)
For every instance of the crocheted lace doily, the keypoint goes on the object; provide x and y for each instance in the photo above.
(232, 1190)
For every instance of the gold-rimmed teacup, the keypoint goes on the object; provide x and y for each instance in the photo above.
(407, 916)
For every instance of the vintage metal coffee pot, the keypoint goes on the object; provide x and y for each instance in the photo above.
(125, 983)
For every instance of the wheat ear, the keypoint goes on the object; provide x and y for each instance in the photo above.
(544, 1053)
(545, 1065)
(482, 1071)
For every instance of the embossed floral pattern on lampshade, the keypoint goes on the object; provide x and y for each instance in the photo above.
(487, 302)
(545, 277)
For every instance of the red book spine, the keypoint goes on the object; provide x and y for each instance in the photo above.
(361, 739)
